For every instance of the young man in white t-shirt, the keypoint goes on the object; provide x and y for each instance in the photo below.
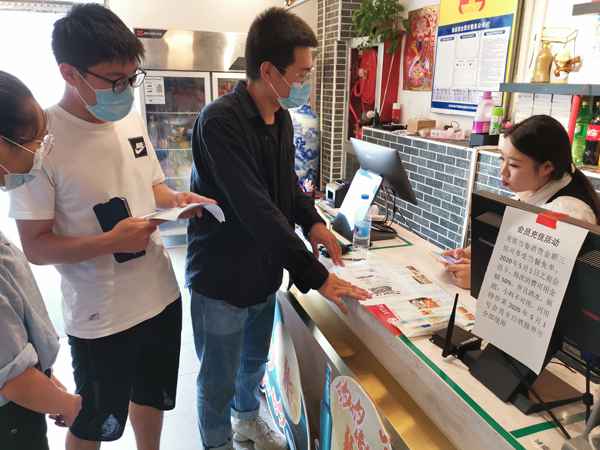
(123, 318)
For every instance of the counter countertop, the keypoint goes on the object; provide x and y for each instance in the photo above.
(464, 410)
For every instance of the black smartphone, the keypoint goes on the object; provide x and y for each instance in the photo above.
(109, 214)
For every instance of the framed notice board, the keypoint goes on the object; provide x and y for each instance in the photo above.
(474, 52)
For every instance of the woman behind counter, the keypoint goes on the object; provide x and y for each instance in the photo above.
(536, 165)
(28, 341)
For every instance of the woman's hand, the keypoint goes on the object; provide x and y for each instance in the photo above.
(33, 390)
(70, 406)
(461, 273)
(459, 253)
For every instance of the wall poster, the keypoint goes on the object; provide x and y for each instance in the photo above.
(474, 49)
(419, 49)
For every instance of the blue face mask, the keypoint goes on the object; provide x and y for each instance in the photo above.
(110, 106)
(299, 94)
(15, 180)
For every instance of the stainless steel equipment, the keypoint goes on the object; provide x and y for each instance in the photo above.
(179, 66)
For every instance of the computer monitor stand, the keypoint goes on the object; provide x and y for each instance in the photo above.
(506, 377)
(381, 233)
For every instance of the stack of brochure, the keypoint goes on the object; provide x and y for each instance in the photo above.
(405, 298)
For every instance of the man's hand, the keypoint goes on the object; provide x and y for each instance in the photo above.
(319, 234)
(335, 289)
(131, 235)
(185, 198)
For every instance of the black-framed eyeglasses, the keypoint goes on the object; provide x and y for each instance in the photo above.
(121, 84)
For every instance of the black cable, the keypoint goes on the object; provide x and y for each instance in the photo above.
(399, 211)
(387, 201)
(560, 363)
(523, 379)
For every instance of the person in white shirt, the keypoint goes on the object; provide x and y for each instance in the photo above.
(123, 318)
(536, 164)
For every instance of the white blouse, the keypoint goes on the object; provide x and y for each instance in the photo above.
(570, 206)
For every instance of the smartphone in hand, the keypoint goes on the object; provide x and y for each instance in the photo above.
(445, 258)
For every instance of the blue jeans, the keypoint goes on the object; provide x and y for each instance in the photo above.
(232, 345)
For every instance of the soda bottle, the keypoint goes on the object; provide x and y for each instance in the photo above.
(581, 125)
(592, 139)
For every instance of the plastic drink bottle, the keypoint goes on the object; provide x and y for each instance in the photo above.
(362, 229)
(483, 116)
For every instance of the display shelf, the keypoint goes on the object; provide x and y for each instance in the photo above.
(551, 88)
(586, 8)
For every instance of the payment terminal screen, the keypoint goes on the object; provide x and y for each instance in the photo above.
(364, 182)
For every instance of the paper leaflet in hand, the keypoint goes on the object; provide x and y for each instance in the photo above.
(174, 214)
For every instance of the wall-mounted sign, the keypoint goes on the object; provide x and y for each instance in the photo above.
(149, 33)
(154, 90)
(473, 52)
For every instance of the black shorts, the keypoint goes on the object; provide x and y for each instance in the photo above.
(22, 429)
(140, 365)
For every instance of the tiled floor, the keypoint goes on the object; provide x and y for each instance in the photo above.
(180, 431)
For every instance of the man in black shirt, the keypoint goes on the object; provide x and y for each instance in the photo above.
(244, 158)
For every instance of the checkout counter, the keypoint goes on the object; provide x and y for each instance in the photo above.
(426, 401)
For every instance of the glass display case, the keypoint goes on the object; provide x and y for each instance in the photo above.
(224, 82)
(171, 101)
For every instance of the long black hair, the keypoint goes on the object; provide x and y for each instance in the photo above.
(543, 138)
(17, 122)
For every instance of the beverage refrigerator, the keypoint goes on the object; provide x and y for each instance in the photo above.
(185, 71)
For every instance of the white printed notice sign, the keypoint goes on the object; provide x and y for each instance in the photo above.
(525, 283)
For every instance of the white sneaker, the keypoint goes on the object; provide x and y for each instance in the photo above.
(259, 432)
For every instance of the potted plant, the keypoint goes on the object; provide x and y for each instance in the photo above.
(380, 21)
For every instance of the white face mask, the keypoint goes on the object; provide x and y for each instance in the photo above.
(14, 180)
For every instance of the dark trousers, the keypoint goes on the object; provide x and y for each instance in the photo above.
(22, 429)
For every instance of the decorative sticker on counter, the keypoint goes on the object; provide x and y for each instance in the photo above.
(154, 90)
(525, 283)
(356, 424)
(284, 388)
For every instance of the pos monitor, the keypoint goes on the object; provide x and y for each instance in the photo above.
(364, 182)
(577, 329)
(386, 162)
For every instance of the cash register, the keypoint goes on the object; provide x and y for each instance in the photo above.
(381, 171)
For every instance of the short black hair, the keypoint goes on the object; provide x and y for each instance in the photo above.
(272, 37)
(91, 34)
(17, 122)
